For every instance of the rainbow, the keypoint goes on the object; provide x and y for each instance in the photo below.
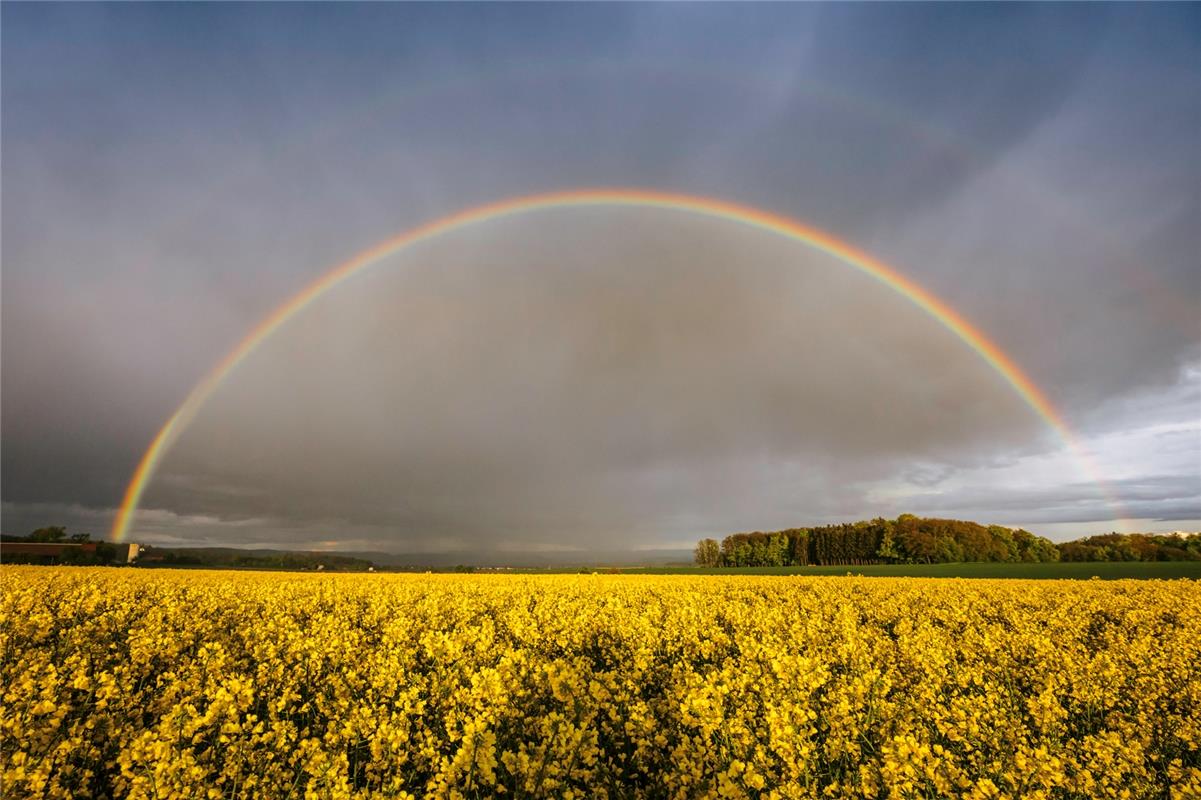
(635, 198)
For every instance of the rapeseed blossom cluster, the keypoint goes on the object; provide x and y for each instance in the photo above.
(157, 684)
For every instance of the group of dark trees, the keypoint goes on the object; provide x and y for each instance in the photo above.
(1133, 547)
(916, 540)
(89, 551)
(52, 535)
(905, 540)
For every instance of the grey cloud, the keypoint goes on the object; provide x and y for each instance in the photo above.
(1158, 497)
(171, 174)
(576, 375)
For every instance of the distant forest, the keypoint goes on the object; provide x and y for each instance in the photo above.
(917, 540)
(1133, 547)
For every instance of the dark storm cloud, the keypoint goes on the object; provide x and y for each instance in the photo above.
(946, 114)
(171, 173)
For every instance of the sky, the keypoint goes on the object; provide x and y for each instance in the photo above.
(605, 377)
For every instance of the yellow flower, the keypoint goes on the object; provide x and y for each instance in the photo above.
(195, 684)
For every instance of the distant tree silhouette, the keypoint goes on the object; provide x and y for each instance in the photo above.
(52, 534)
(1133, 547)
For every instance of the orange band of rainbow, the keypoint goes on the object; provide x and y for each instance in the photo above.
(752, 217)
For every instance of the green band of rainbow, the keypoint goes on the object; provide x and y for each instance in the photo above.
(752, 217)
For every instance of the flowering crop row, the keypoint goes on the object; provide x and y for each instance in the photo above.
(156, 684)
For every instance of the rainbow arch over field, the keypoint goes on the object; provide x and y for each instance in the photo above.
(613, 197)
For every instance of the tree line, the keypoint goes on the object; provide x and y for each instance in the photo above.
(905, 540)
(55, 534)
(90, 551)
(1133, 547)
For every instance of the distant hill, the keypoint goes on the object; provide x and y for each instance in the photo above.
(359, 561)
(232, 557)
(532, 559)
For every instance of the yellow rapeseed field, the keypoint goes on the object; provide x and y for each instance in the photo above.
(157, 684)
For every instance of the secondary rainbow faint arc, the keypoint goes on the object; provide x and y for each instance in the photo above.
(638, 198)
